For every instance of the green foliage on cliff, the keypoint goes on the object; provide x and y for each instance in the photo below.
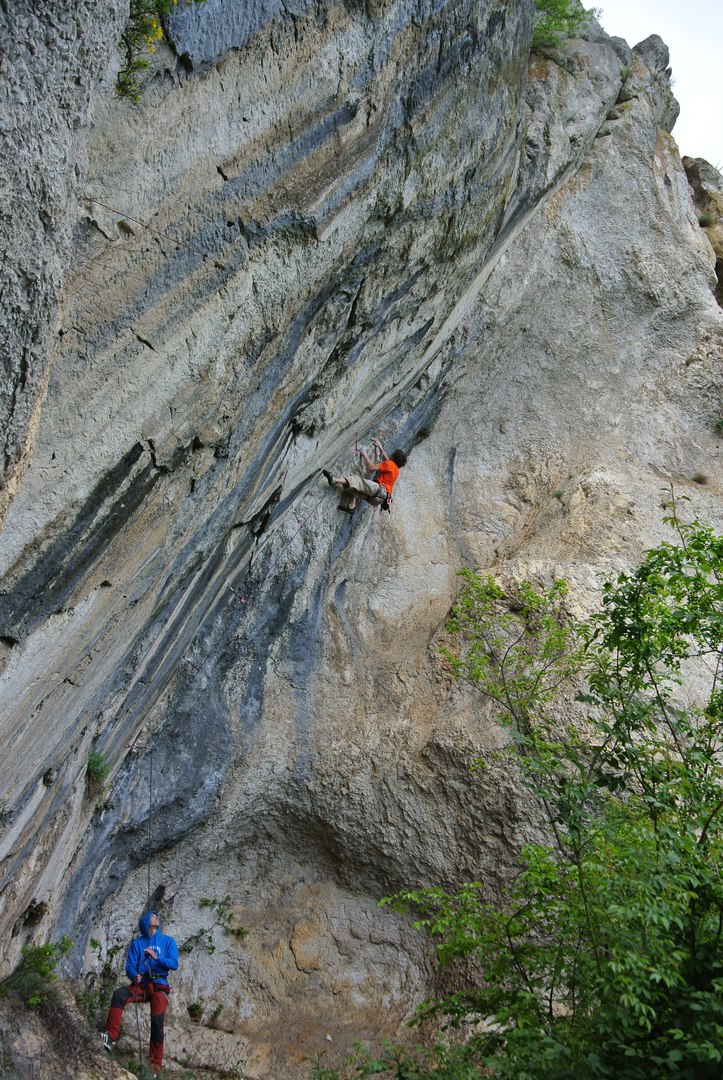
(556, 18)
(606, 958)
(34, 979)
(100, 984)
(139, 39)
(142, 33)
(442, 1062)
(96, 771)
(224, 919)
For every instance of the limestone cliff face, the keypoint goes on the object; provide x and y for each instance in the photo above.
(54, 57)
(323, 224)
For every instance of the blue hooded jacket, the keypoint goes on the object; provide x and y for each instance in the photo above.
(137, 963)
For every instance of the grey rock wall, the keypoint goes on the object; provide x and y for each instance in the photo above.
(210, 360)
(201, 36)
(358, 220)
(55, 56)
(707, 187)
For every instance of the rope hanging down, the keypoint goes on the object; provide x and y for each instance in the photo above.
(150, 816)
(149, 750)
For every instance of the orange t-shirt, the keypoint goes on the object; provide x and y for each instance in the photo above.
(387, 474)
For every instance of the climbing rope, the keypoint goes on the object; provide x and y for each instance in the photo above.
(149, 750)
(140, 1045)
(150, 826)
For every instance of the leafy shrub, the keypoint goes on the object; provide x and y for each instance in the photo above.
(606, 958)
(559, 18)
(100, 984)
(96, 771)
(142, 33)
(139, 40)
(34, 978)
(442, 1062)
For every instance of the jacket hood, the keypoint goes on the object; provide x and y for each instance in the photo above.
(145, 920)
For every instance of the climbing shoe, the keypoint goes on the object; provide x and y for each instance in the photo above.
(329, 477)
(106, 1040)
(346, 509)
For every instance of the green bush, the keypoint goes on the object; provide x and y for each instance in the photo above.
(606, 957)
(100, 984)
(559, 18)
(139, 40)
(97, 770)
(441, 1062)
(34, 978)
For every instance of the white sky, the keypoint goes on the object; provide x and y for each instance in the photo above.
(693, 32)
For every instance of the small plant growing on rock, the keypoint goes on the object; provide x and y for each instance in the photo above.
(215, 1016)
(225, 921)
(96, 771)
(34, 978)
(143, 31)
(99, 985)
(705, 219)
(195, 1011)
(556, 18)
(139, 40)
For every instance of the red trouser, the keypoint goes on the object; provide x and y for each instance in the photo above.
(138, 992)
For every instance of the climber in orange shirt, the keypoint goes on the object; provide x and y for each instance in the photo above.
(378, 490)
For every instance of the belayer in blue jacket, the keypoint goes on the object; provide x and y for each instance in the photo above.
(150, 957)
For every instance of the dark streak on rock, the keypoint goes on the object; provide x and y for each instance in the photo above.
(144, 341)
(47, 586)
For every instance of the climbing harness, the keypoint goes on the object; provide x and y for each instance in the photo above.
(386, 503)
